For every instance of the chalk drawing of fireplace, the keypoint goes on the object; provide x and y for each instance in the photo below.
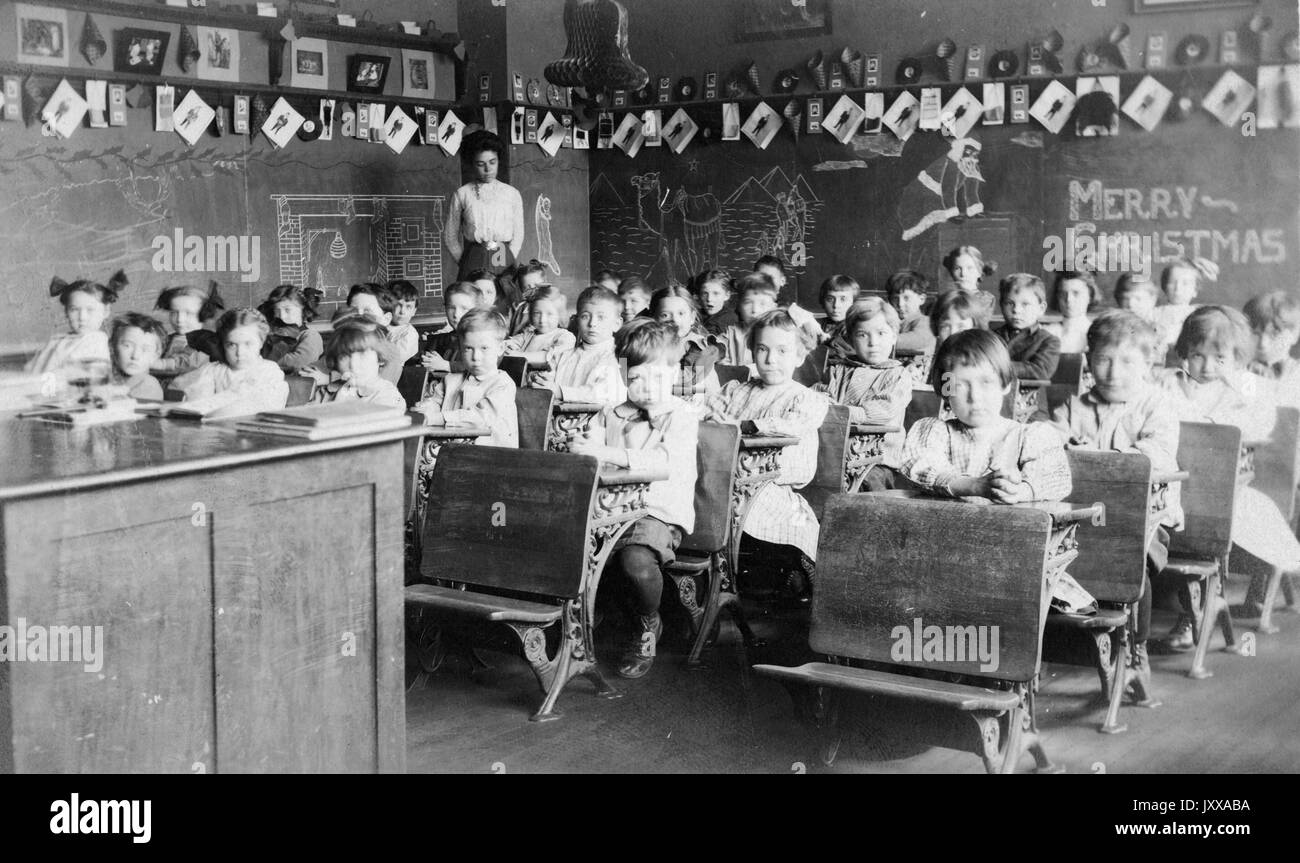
(331, 242)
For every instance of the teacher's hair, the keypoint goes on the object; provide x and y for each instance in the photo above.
(482, 141)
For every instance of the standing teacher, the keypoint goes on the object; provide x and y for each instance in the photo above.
(485, 227)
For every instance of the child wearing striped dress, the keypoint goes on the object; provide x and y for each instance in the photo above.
(771, 402)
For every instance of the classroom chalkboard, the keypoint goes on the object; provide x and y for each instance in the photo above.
(231, 209)
(877, 204)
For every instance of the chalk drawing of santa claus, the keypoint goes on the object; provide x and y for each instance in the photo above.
(947, 189)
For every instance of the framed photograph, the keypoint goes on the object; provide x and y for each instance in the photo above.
(417, 74)
(218, 53)
(781, 19)
(137, 50)
(42, 35)
(1187, 5)
(367, 72)
(311, 64)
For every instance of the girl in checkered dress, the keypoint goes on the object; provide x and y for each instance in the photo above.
(696, 378)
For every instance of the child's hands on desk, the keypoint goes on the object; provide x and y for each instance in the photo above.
(434, 363)
(321, 378)
(585, 444)
(1008, 487)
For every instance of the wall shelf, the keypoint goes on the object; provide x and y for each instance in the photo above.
(270, 27)
(187, 82)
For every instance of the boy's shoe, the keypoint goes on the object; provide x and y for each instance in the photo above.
(641, 655)
(1179, 639)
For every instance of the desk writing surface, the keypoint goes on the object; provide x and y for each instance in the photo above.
(38, 457)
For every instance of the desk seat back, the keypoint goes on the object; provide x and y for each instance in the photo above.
(509, 519)
(716, 455)
(300, 389)
(516, 367)
(411, 384)
(731, 373)
(1065, 383)
(832, 450)
(1112, 558)
(1277, 463)
(1210, 453)
(534, 407)
(885, 562)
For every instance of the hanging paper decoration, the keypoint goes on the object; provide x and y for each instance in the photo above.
(961, 113)
(1147, 104)
(64, 111)
(164, 105)
(651, 121)
(550, 134)
(873, 110)
(1096, 113)
(816, 66)
(761, 126)
(451, 132)
(679, 130)
(995, 104)
(793, 116)
(282, 124)
(930, 105)
(902, 116)
(97, 103)
(326, 119)
(193, 115)
(93, 45)
(1229, 98)
(628, 137)
(1279, 97)
(946, 55)
(1053, 107)
(398, 130)
(844, 119)
(854, 64)
(730, 121)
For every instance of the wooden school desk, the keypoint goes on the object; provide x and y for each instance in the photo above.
(249, 589)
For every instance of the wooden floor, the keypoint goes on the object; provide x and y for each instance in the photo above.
(727, 719)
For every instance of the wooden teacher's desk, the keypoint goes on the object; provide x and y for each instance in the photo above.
(249, 590)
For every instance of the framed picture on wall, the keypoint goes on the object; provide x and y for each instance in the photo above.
(311, 64)
(137, 50)
(417, 74)
(367, 73)
(42, 35)
(1184, 5)
(780, 19)
(218, 53)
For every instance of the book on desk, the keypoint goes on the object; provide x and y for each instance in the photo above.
(320, 422)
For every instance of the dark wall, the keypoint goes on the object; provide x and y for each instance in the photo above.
(854, 202)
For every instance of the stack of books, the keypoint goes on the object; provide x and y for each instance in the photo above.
(78, 414)
(322, 422)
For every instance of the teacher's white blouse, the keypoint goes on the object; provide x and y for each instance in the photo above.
(485, 213)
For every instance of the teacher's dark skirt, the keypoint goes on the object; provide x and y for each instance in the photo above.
(478, 257)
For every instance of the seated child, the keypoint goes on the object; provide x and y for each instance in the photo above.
(353, 352)
(136, 341)
(189, 344)
(376, 302)
(1213, 386)
(1035, 353)
(292, 344)
(607, 279)
(1181, 282)
(86, 305)
(774, 268)
(442, 349)
(838, 294)
(588, 372)
(966, 266)
(955, 312)
(548, 311)
(1124, 411)
(518, 289)
(771, 402)
(1075, 295)
(1275, 321)
(713, 290)
(635, 294)
(482, 395)
(876, 387)
(755, 297)
(657, 431)
(979, 453)
(908, 291)
(696, 377)
(403, 333)
(240, 381)
(1136, 293)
